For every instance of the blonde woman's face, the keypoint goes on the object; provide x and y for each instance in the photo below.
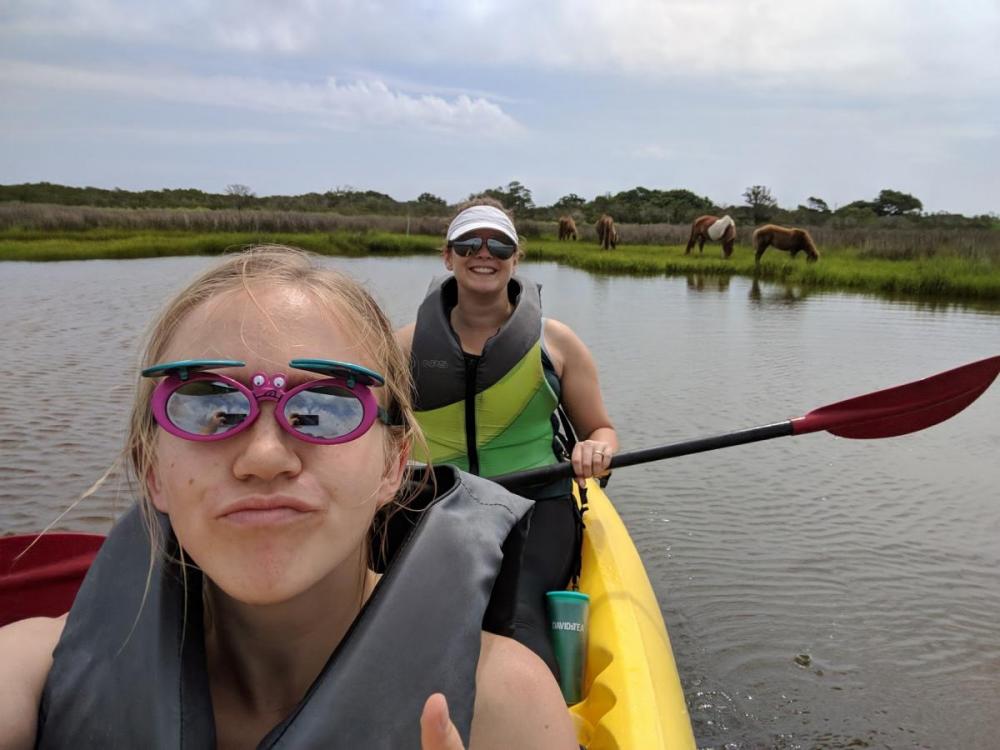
(265, 515)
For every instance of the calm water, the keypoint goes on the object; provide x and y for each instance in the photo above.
(879, 560)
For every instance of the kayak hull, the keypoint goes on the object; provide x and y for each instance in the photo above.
(634, 697)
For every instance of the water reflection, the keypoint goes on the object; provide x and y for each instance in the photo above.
(701, 282)
(777, 292)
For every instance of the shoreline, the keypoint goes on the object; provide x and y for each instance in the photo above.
(943, 278)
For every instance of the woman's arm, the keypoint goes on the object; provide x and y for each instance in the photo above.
(518, 702)
(518, 705)
(25, 660)
(581, 395)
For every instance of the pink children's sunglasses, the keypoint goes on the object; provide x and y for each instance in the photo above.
(197, 405)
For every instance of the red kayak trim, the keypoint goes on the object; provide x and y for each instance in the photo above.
(40, 575)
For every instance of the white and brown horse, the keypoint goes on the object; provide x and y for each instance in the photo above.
(790, 240)
(713, 228)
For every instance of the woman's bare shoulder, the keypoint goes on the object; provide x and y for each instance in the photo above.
(560, 336)
(518, 703)
(404, 336)
(564, 345)
(556, 329)
(31, 638)
(25, 660)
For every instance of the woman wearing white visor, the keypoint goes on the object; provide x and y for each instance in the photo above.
(490, 374)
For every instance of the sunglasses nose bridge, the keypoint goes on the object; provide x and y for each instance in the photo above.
(267, 420)
(474, 252)
(489, 251)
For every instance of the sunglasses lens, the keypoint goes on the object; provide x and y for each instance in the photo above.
(205, 407)
(500, 250)
(465, 248)
(325, 412)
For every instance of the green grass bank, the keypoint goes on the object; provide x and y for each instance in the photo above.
(940, 275)
(124, 244)
(943, 276)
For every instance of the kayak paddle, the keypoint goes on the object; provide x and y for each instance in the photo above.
(887, 413)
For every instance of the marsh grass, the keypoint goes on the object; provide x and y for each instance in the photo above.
(50, 219)
(890, 240)
(123, 244)
(952, 270)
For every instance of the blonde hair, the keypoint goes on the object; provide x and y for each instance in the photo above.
(486, 200)
(282, 266)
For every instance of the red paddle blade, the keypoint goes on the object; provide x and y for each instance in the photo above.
(904, 408)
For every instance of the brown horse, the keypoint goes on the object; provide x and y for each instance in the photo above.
(607, 235)
(567, 228)
(715, 229)
(790, 240)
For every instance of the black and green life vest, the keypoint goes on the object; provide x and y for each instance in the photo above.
(130, 672)
(489, 414)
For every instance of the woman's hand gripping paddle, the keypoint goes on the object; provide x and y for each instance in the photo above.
(886, 413)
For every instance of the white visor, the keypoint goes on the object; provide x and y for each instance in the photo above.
(481, 217)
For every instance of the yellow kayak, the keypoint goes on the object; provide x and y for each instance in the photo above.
(634, 699)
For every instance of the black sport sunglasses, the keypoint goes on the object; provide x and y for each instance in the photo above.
(498, 249)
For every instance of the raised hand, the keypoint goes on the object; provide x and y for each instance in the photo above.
(436, 729)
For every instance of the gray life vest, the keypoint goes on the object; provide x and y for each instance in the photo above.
(129, 671)
(438, 359)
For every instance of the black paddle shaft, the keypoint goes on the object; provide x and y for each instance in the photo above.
(685, 448)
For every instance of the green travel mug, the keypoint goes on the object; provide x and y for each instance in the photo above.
(568, 621)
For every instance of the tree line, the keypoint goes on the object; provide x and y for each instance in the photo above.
(639, 205)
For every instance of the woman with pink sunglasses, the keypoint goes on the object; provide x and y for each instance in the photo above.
(491, 375)
(285, 579)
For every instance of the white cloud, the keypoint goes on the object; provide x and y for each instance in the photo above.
(263, 26)
(343, 105)
(855, 45)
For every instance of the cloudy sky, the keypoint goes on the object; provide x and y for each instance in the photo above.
(829, 98)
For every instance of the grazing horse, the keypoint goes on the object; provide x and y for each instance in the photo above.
(790, 240)
(607, 235)
(567, 228)
(715, 229)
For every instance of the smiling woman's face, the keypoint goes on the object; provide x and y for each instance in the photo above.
(481, 272)
(265, 515)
